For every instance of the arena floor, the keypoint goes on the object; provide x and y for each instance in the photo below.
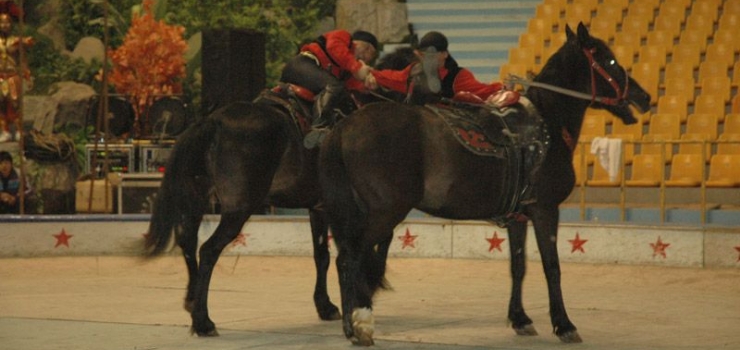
(266, 303)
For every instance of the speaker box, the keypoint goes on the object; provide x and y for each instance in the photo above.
(233, 67)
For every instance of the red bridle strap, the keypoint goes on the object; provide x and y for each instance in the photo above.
(595, 66)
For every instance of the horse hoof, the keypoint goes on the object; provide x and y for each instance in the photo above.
(363, 327)
(570, 337)
(330, 314)
(208, 333)
(526, 330)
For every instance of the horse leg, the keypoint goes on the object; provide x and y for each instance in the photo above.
(320, 233)
(546, 230)
(229, 227)
(520, 322)
(188, 242)
(356, 301)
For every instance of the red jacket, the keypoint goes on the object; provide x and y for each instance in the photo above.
(464, 81)
(337, 56)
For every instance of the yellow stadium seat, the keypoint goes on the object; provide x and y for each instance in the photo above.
(647, 74)
(661, 37)
(703, 124)
(593, 125)
(665, 123)
(706, 8)
(672, 9)
(647, 171)
(533, 41)
(575, 12)
(523, 55)
(735, 106)
(619, 128)
(604, 29)
(619, 3)
(736, 74)
(673, 104)
(652, 145)
(681, 87)
(600, 177)
(687, 170)
(628, 145)
(655, 53)
(731, 124)
(727, 37)
(724, 171)
(716, 86)
(689, 53)
(636, 24)
(720, 52)
(628, 38)
(712, 69)
(550, 12)
(710, 104)
(641, 9)
(694, 37)
(608, 13)
(728, 143)
(669, 24)
(541, 26)
(731, 7)
(728, 22)
(694, 144)
(679, 69)
(700, 23)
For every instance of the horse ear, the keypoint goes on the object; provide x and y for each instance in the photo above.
(583, 35)
(569, 35)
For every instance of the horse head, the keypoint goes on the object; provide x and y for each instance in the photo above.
(611, 86)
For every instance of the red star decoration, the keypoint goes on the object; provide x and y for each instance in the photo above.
(577, 244)
(659, 248)
(738, 250)
(495, 242)
(408, 239)
(241, 239)
(62, 238)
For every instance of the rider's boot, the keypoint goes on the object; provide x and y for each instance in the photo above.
(503, 98)
(425, 81)
(324, 116)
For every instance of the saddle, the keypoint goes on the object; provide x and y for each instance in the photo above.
(296, 100)
(516, 134)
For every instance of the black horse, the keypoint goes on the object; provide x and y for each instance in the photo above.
(247, 155)
(386, 159)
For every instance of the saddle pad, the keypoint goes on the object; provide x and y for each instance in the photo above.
(488, 138)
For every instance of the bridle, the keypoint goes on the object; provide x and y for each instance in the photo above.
(596, 68)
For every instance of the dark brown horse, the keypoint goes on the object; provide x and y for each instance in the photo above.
(386, 159)
(245, 155)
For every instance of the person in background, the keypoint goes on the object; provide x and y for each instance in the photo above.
(9, 185)
(10, 80)
(329, 66)
(435, 58)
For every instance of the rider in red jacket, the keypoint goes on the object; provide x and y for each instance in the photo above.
(435, 57)
(328, 67)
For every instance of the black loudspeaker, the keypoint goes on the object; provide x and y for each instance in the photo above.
(167, 117)
(120, 115)
(233, 67)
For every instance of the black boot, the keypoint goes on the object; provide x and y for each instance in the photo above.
(324, 116)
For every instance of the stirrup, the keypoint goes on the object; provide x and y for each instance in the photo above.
(315, 137)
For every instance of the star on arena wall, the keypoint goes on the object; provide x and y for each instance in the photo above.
(62, 239)
(408, 240)
(494, 243)
(659, 248)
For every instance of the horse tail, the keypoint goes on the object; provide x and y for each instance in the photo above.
(184, 190)
(346, 212)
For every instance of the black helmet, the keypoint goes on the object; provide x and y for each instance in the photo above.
(433, 39)
(367, 37)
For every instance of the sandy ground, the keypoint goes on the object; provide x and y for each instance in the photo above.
(266, 303)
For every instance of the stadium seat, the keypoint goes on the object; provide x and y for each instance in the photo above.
(710, 104)
(679, 69)
(728, 143)
(540, 25)
(687, 170)
(719, 86)
(695, 143)
(669, 24)
(661, 37)
(525, 56)
(647, 74)
(702, 124)
(651, 144)
(641, 9)
(665, 123)
(727, 37)
(721, 52)
(731, 124)
(735, 105)
(620, 3)
(628, 145)
(647, 171)
(549, 12)
(575, 13)
(625, 55)
(724, 171)
(706, 8)
(593, 125)
(603, 28)
(689, 53)
(628, 38)
(728, 22)
(533, 41)
(736, 74)
(673, 104)
(655, 53)
(681, 87)
(600, 177)
(730, 7)
(636, 24)
(712, 69)
(699, 23)
(619, 128)
(694, 37)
